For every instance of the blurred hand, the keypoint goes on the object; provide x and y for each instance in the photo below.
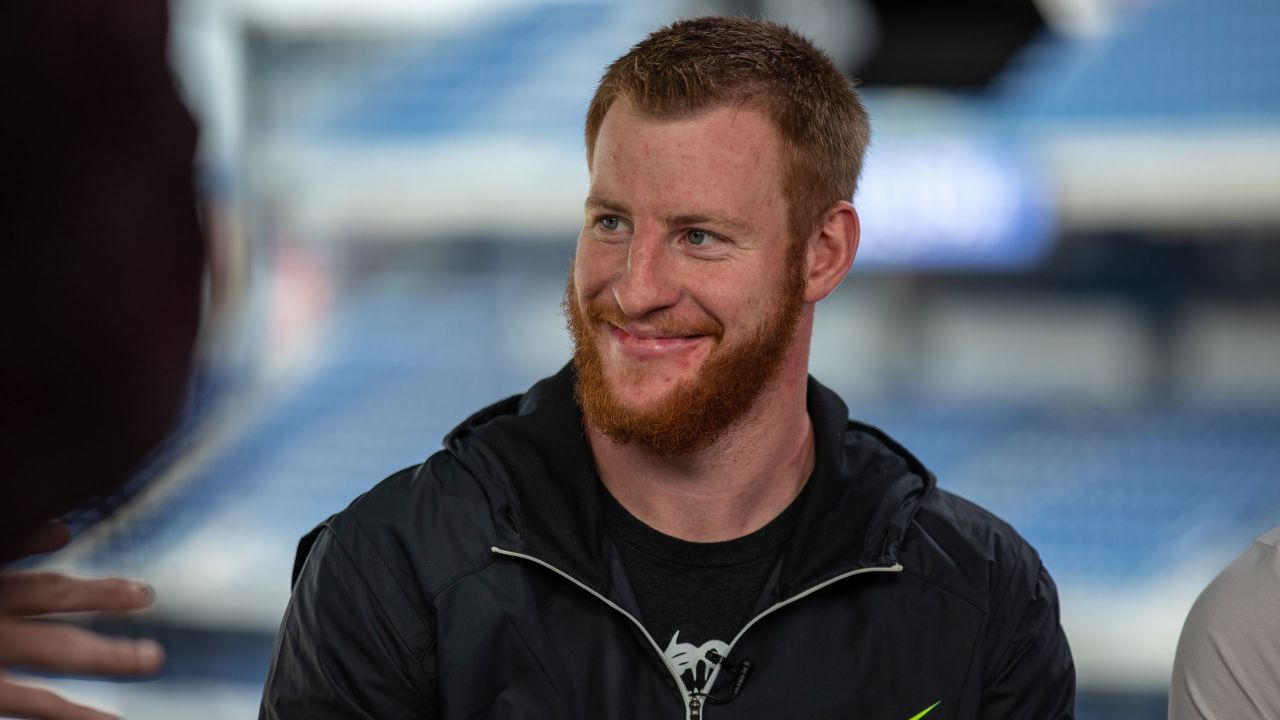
(57, 648)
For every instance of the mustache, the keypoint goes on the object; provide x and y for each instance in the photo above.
(662, 321)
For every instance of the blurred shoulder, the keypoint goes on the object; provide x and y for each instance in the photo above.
(1228, 655)
(1241, 598)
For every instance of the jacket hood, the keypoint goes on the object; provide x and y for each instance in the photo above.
(546, 495)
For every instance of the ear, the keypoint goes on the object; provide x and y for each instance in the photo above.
(831, 250)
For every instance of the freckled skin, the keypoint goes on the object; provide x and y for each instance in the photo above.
(693, 355)
(724, 166)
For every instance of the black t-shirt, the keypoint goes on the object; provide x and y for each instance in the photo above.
(695, 597)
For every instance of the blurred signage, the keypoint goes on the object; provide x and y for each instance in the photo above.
(950, 203)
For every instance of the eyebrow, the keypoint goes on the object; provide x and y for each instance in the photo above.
(696, 219)
(599, 201)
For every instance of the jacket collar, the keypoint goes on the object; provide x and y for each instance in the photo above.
(530, 452)
(864, 492)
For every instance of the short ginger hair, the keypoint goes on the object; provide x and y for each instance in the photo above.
(693, 66)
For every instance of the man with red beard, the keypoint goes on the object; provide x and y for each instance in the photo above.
(682, 522)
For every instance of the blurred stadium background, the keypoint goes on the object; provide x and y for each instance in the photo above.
(1067, 300)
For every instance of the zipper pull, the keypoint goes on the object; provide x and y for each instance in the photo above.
(695, 708)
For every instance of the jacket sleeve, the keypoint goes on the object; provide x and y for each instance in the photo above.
(343, 650)
(1034, 676)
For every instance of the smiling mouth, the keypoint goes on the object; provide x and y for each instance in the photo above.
(649, 344)
(642, 335)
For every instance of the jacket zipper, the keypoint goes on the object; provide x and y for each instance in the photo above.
(693, 702)
(715, 671)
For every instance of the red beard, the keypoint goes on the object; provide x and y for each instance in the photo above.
(696, 413)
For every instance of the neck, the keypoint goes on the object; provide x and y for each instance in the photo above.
(733, 487)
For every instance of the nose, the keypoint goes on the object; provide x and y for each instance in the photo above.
(648, 282)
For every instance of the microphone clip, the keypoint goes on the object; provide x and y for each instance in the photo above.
(742, 670)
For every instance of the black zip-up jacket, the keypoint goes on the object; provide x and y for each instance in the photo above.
(482, 584)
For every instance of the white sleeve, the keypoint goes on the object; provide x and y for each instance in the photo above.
(1228, 660)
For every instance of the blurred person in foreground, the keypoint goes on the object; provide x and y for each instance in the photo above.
(1228, 659)
(682, 517)
(102, 261)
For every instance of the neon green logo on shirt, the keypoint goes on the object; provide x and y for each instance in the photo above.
(925, 711)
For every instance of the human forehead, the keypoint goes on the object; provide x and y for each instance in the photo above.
(727, 152)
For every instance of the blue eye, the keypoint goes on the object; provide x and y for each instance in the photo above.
(697, 237)
(610, 222)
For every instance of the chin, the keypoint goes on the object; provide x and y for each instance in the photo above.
(639, 394)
